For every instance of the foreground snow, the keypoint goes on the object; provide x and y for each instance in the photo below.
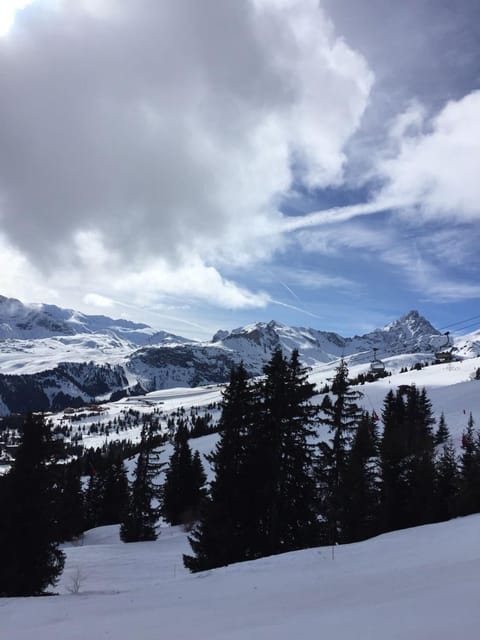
(417, 584)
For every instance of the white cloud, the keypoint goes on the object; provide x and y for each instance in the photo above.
(428, 279)
(148, 134)
(193, 280)
(435, 165)
(97, 300)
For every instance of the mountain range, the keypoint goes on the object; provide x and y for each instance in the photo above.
(52, 357)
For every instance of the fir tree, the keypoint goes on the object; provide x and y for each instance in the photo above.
(71, 505)
(442, 433)
(469, 498)
(94, 496)
(286, 492)
(184, 481)
(407, 460)
(226, 527)
(393, 454)
(263, 496)
(142, 513)
(362, 486)
(341, 416)
(115, 490)
(30, 558)
(447, 483)
(420, 461)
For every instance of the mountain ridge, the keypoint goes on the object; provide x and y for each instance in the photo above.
(129, 358)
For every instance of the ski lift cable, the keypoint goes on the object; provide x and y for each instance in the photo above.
(469, 326)
(454, 324)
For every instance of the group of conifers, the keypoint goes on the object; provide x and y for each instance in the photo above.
(288, 473)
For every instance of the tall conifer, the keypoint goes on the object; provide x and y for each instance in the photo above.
(139, 523)
(30, 558)
(342, 416)
(226, 528)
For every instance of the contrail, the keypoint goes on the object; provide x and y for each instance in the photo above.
(291, 306)
(294, 295)
(339, 214)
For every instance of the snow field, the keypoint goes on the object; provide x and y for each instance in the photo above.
(420, 583)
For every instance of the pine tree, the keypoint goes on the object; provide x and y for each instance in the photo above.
(71, 505)
(469, 498)
(94, 496)
(140, 521)
(393, 454)
(286, 492)
(30, 558)
(263, 496)
(447, 483)
(115, 490)
(184, 481)
(442, 433)
(420, 461)
(407, 460)
(341, 416)
(362, 486)
(227, 525)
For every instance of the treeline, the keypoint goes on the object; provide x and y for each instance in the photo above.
(277, 489)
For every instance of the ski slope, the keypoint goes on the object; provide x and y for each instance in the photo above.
(415, 584)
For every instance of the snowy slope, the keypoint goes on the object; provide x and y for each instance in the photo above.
(419, 584)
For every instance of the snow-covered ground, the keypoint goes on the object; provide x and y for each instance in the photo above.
(415, 584)
(449, 386)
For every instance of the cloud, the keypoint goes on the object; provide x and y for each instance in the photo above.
(96, 300)
(429, 279)
(435, 163)
(160, 135)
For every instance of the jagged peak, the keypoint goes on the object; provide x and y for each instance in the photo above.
(413, 322)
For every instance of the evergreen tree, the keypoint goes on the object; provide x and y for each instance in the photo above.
(442, 433)
(30, 558)
(469, 498)
(94, 496)
(227, 525)
(393, 454)
(447, 483)
(184, 481)
(286, 493)
(362, 487)
(420, 461)
(139, 523)
(71, 505)
(115, 490)
(263, 496)
(341, 416)
(407, 460)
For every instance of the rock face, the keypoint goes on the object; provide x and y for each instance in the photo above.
(51, 358)
(68, 384)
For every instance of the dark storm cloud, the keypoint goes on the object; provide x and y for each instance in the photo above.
(98, 119)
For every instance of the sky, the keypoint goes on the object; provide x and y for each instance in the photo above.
(204, 165)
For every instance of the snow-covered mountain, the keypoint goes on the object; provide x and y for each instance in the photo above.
(410, 334)
(41, 347)
(19, 321)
